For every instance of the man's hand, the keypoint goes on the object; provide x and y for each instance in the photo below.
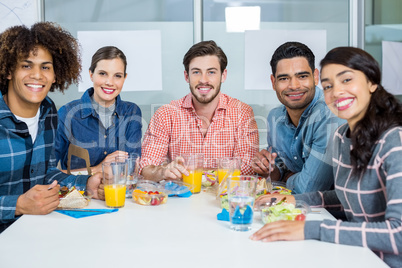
(264, 162)
(39, 200)
(172, 171)
(95, 186)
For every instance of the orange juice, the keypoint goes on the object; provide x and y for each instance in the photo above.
(222, 173)
(115, 195)
(195, 178)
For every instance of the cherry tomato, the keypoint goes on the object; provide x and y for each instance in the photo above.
(300, 217)
(155, 201)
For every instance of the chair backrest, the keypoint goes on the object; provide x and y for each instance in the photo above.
(78, 152)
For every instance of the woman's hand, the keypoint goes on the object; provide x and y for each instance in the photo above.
(108, 158)
(279, 231)
(95, 186)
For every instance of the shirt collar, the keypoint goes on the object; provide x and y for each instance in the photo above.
(87, 108)
(6, 112)
(318, 95)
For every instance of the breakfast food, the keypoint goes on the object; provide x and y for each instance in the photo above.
(72, 198)
(263, 187)
(281, 190)
(282, 211)
(149, 198)
(209, 178)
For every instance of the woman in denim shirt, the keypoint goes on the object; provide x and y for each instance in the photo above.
(100, 121)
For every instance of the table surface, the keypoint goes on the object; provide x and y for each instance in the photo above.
(184, 232)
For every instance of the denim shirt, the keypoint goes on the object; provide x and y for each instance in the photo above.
(80, 125)
(305, 150)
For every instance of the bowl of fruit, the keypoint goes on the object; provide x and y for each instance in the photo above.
(149, 193)
(277, 211)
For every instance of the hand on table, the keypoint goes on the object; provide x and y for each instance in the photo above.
(279, 231)
(39, 200)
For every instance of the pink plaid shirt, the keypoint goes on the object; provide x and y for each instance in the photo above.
(175, 129)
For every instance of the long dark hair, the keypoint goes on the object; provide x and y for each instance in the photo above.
(384, 110)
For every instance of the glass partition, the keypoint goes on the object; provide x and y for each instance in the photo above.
(174, 19)
(329, 15)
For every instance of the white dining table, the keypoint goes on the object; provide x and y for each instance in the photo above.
(184, 232)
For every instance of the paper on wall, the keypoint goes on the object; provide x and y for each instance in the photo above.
(22, 12)
(143, 51)
(392, 67)
(260, 45)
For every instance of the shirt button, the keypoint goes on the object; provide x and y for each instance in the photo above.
(295, 157)
(296, 138)
(105, 136)
(105, 153)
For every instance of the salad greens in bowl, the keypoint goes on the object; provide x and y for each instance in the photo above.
(283, 210)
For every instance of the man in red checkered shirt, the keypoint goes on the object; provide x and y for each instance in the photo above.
(204, 121)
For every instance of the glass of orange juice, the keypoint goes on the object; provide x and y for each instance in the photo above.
(114, 181)
(194, 165)
(228, 166)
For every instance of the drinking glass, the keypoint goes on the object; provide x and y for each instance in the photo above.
(194, 165)
(241, 197)
(228, 166)
(133, 176)
(114, 181)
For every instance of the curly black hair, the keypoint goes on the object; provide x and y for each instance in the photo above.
(18, 42)
(384, 110)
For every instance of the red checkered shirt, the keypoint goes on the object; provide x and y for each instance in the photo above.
(175, 129)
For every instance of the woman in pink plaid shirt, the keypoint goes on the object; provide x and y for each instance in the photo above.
(367, 165)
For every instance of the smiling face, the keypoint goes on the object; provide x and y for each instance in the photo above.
(347, 92)
(205, 79)
(30, 82)
(108, 79)
(294, 83)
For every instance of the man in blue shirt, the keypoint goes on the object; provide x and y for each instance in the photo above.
(300, 131)
(33, 62)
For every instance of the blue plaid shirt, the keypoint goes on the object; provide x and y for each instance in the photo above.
(303, 149)
(80, 125)
(23, 164)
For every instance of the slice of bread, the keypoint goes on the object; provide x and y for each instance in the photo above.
(73, 200)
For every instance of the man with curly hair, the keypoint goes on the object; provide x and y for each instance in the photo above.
(33, 61)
